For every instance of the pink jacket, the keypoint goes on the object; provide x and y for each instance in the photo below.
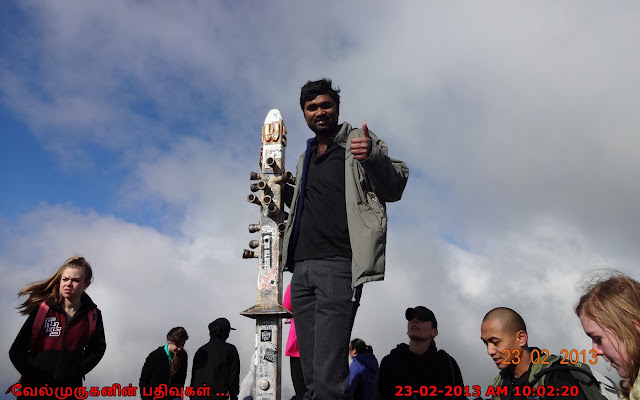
(292, 340)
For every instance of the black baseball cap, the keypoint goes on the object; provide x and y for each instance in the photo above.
(423, 313)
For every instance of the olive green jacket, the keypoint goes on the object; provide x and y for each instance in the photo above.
(369, 184)
(635, 389)
(588, 387)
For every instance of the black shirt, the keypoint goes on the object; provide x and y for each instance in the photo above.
(324, 231)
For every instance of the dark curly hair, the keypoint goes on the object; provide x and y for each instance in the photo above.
(313, 89)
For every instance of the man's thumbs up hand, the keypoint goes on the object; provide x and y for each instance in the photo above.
(361, 146)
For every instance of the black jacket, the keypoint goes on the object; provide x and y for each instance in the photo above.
(157, 371)
(403, 370)
(217, 364)
(63, 351)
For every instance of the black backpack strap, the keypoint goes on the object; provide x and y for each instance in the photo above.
(453, 375)
(556, 367)
(578, 373)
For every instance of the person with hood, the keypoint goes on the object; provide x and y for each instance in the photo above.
(411, 369)
(217, 364)
(363, 370)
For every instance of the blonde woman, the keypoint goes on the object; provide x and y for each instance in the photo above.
(610, 315)
(63, 337)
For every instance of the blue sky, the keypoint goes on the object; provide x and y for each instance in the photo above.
(129, 131)
(26, 159)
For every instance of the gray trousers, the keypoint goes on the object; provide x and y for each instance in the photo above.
(324, 307)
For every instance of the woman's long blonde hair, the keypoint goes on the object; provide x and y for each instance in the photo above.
(613, 302)
(49, 289)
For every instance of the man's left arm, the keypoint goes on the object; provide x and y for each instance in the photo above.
(388, 176)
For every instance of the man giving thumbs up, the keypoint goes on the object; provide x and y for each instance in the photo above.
(335, 237)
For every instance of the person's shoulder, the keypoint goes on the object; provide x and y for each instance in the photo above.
(400, 352)
(156, 353)
(203, 348)
(347, 127)
(394, 354)
(560, 375)
(201, 353)
(346, 132)
(356, 363)
(87, 303)
(544, 362)
(444, 353)
(366, 357)
(564, 378)
(231, 348)
(444, 356)
(351, 130)
(549, 371)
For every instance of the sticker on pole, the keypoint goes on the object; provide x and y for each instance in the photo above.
(266, 335)
(271, 355)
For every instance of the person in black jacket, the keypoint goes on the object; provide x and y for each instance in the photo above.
(68, 340)
(217, 364)
(418, 370)
(166, 365)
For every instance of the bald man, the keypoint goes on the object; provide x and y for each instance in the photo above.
(504, 333)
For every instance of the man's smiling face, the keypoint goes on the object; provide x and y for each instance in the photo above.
(321, 115)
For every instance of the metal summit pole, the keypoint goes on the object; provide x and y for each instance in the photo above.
(268, 194)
